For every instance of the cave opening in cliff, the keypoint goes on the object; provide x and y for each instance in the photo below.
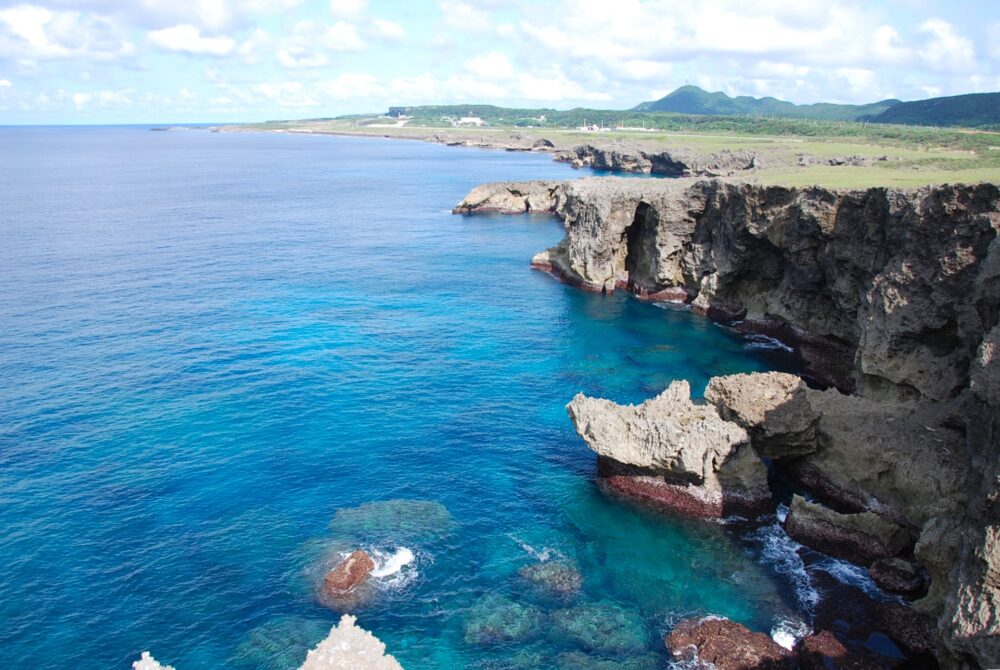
(640, 246)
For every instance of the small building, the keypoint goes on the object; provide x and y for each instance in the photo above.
(470, 121)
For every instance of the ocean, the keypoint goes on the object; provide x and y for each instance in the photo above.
(226, 359)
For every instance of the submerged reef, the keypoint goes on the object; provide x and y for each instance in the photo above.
(891, 299)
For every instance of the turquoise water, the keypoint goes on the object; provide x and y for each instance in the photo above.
(211, 343)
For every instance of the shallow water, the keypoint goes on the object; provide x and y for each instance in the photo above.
(210, 343)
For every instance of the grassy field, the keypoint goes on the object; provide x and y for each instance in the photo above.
(916, 156)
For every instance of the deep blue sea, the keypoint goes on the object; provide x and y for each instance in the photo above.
(212, 343)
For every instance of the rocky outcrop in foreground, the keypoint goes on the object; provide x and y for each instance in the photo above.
(347, 647)
(892, 295)
(673, 452)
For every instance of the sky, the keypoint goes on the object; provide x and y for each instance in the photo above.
(145, 61)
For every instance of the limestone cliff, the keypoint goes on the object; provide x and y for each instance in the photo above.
(893, 295)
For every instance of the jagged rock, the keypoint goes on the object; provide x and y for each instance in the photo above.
(512, 197)
(496, 620)
(862, 537)
(349, 647)
(557, 580)
(888, 292)
(603, 628)
(727, 645)
(823, 651)
(772, 407)
(898, 576)
(674, 452)
(147, 662)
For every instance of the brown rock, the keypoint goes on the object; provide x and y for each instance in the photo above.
(349, 573)
(727, 645)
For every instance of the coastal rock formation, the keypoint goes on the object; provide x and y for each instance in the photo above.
(510, 197)
(651, 159)
(773, 407)
(862, 538)
(602, 627)
(727, 645)
(349, 647)
(891, 294)
(898, 575)
(673, 452)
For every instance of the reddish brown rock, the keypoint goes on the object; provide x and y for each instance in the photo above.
(823, 651)
(349, 573)
(727, 645)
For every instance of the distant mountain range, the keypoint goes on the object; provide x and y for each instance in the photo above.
(972, 110)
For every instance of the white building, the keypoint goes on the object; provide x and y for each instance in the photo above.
(470, 121)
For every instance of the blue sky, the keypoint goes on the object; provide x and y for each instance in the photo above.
(102, 61)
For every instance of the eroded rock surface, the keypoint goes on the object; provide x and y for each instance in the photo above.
(773, 407)
(674, 452)
(727, 645)
(349, 647)
(511, 197)
(862, 538)
(892, 294)
(352, 571)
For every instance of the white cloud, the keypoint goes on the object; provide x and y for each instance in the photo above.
(311, 43)
(5, 83)
(493, 66)
(946, 49)
(186, 38)
(348, 9)
(389, 31)
(465, 16)
(29, 33)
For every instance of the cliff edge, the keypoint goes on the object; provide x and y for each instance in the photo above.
(893, 297)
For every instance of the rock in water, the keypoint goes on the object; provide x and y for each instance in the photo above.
(673, 452)
(349, 647)
(557, 580)
(603, 628)
(496, 620)
(861, 538)
(727, 645)
(352, 571)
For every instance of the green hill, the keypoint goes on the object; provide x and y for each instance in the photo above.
(974, 110)
(693, 100)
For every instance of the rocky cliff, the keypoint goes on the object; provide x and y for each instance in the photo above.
(891, 295)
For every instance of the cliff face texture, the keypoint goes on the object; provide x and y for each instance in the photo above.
(892, 295)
